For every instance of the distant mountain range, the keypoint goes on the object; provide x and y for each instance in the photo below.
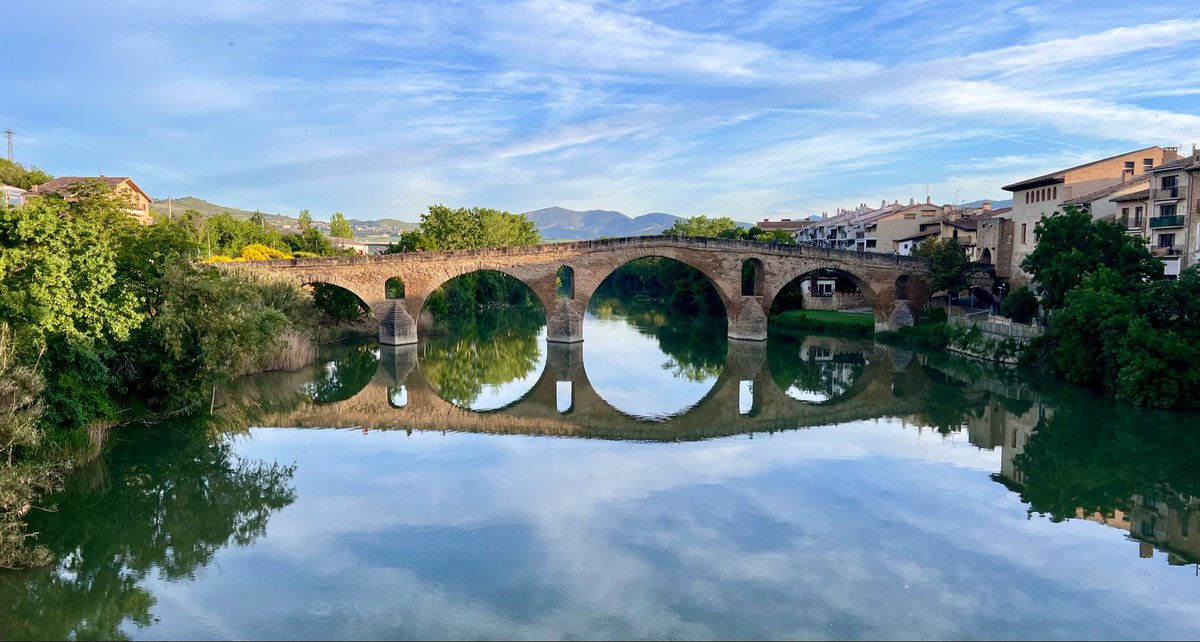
(562, 224)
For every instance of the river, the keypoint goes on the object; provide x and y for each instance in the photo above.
(657, 481)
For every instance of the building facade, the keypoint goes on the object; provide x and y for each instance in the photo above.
(1043, 195)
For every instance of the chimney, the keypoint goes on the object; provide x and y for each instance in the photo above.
(883, 203)
(928, 199)
(1195, 153)
(911, 201)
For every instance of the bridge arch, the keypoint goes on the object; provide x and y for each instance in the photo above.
(825, 282)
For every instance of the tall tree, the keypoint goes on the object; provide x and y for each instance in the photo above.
(445, 228)
(1071, 246)
(340, 227)
(304, 221)
(702, 226)
(949, 268)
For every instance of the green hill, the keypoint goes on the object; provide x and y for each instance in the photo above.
(369, 230)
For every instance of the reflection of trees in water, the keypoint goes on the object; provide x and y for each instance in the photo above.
(824, 370)
(1096, 454)
(166, 501)
(491, 347)
(341, 377)
(694, 343)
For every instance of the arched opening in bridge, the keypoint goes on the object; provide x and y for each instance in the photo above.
(564, 283)
(343, 315)
(903, 283)
(981, 298)
(564, 396)
(483, 301)
(752, 277)
(829, 298)
(393, 288)
(986, 257)
(818, 369)
(658, 324)
(397, 396)
(342, 373)
(483, 341)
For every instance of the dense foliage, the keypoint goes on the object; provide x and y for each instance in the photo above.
(1020, 306)
(1071, 246)
(110, 320)
(1115, 322)
(17, 175)
(339, 227)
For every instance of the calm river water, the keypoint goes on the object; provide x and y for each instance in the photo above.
(657, 481)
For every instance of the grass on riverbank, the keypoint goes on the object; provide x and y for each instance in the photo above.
(799, 322)
(929, 331)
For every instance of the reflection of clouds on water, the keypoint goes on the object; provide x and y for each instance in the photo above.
(862, 530)
(629, 370)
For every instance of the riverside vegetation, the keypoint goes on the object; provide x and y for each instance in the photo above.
(105, 322)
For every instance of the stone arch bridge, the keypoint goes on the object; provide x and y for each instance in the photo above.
(894, 286)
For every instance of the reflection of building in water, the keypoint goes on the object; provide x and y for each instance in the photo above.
(1169, 524)
(1008, 429)
(831, 370)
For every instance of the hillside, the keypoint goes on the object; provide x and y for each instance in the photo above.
(560, 223)
(386, 229)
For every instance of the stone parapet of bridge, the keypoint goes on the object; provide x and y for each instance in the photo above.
(894, 286)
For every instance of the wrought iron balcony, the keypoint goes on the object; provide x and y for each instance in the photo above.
(1166, 221)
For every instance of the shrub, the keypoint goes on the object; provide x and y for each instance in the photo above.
(1020, 306)
(260, 252)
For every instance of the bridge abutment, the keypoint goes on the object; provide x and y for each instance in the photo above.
(891, 319)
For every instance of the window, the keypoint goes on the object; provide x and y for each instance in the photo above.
(1055, 195)
(1166, 240)
(1023, 229)
(1167, 210)
(1147, 527)
(752, 277)
(1125, 212)
(1147, 163)
(1184, 526)
(914, 214)
(1129, 166)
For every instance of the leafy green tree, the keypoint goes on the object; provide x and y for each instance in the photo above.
(59, 271)
(16, 175)
(949, 268)
(304, 221)
(339, 305)
(446, 228)
(339, 227)
(1070, 246)
(1020, 306)
(703, 226)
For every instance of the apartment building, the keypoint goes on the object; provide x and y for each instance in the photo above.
(1043, 195)
(1173, 206)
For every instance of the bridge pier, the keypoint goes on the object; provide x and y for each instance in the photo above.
(748, 322)
(396, 325)
(564, 322)
(899, 315)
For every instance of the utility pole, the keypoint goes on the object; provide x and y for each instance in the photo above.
(170, 211)
(8, 134)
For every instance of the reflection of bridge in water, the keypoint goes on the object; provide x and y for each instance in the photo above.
(744, 399)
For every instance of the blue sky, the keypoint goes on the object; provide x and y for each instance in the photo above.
(742, 109)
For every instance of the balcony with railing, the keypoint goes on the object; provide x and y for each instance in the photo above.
(1170, 193)
(1166, 221)
(1167, 250)
(1133, 221)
